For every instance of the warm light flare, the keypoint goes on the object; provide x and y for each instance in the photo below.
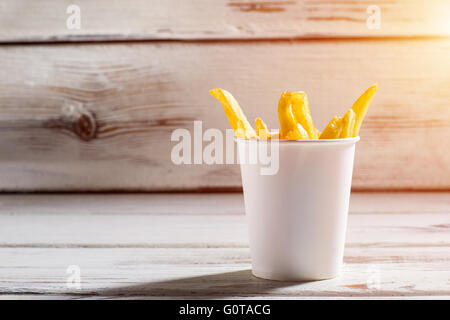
(443, 16)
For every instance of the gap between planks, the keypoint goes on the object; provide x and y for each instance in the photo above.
(203, 204)
(200, 41)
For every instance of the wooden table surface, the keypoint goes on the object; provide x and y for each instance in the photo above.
(195, 246)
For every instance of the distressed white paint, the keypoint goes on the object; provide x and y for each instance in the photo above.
(127, 246)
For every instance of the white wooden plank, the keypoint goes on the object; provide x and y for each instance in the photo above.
(88, 223)
(45, 20)
(35, 297)
(186, 255)
(400, 202)
(136, 95)
(255, 297)
(214, 273)
(166, 203)
(203, 203)
(202, 231)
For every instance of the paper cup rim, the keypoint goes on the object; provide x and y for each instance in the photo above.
(315, 141)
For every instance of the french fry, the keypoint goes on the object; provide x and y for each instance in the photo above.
(361, 105)
(261, 129)
(275, 136)
(234, 112)
(295, 118)
(333, 129)
(317, 133)
(240, 130)
(294, 134)
(348, 124)
(302, 113)
(289, 128)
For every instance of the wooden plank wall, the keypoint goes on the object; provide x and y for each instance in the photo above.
(93, 109)
(45, 20)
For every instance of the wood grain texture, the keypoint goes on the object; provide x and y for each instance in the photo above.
(135, 220)
(200, 204)
(100, 117)
(149, 254)
(214, 273)
(23, 21)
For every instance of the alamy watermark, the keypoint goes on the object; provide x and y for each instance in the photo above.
(190, 149)
(74, 279)
(73, 22)
(374, 277)
(373, 22)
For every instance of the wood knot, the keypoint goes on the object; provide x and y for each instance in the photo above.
(80, 120)
(85, 127)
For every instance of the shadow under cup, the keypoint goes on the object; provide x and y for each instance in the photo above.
(297, 214)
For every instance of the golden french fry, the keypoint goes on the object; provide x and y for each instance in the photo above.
(289, 128)
(295, 118)
(348, 124)
(240, 130)
(234, 112)
(302, 114)
(317, 133)
(361, 105)
(294, 134)
(333, 129)
(261, 129)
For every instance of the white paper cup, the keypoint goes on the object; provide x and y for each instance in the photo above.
(297, 218)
